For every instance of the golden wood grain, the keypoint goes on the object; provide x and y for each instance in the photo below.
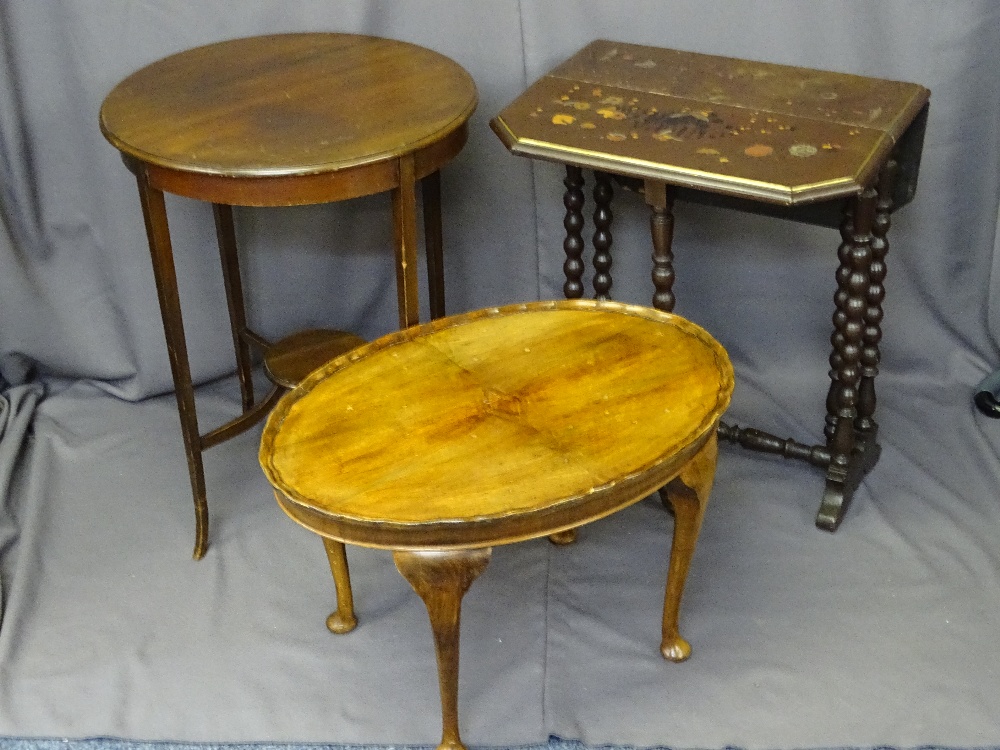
(497, 425)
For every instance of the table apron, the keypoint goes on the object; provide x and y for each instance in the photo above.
(300, 189)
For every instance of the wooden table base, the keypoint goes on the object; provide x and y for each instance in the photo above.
(442, 577)
(850, 449)
(820, 147)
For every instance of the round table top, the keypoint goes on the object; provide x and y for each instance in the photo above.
(287, 104)
(495, 426)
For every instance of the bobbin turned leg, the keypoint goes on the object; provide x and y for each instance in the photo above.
(154, 212)
(441, 578)
(603, 193)
(342, 619)
(844, 470)
(661, 224)
(573, 222)
(688, 495)
(865, 424)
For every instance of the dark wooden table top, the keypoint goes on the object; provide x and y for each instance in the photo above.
(748, 129)
(496, 425)
(288, 104)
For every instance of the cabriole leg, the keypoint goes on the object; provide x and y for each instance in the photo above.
(341, 620)
(441, 579)
(661, 224)
(688, 496)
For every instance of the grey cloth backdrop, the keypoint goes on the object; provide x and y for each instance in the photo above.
(883, 634)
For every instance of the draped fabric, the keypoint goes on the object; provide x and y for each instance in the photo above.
(109, 630)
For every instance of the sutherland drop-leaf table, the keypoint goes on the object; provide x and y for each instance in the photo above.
(825, 148)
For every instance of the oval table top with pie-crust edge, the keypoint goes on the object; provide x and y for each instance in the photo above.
(280, 109)
(495, 426)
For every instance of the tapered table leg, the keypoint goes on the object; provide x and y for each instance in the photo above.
(229, 254)
(341, 620)
(404, 224)
(661, 224)
(688, 496)
(430, 190)
(441, 579)
(154, 213)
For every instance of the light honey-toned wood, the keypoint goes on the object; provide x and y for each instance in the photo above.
(496, 426)
(687, 494)
(753, 130)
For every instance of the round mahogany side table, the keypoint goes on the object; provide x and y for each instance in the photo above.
(497, 426)
(286, 120)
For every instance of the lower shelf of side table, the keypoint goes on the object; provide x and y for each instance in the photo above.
(288, 361)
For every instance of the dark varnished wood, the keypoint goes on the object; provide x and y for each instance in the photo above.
(404, 228)
(843, 270)
(661, 226)
(603, 193)
(288, 361)
(225, 233)
(764, 442)
(242, 423)
(430, 191)
(283, 120)
(287, 106)
(154, 212)
(776, 140)
(441, 579)
(774, 133)
(874, 297)
(573, 222)
(848, 319)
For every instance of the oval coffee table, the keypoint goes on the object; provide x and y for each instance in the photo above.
(497, 426)
(286, 120)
